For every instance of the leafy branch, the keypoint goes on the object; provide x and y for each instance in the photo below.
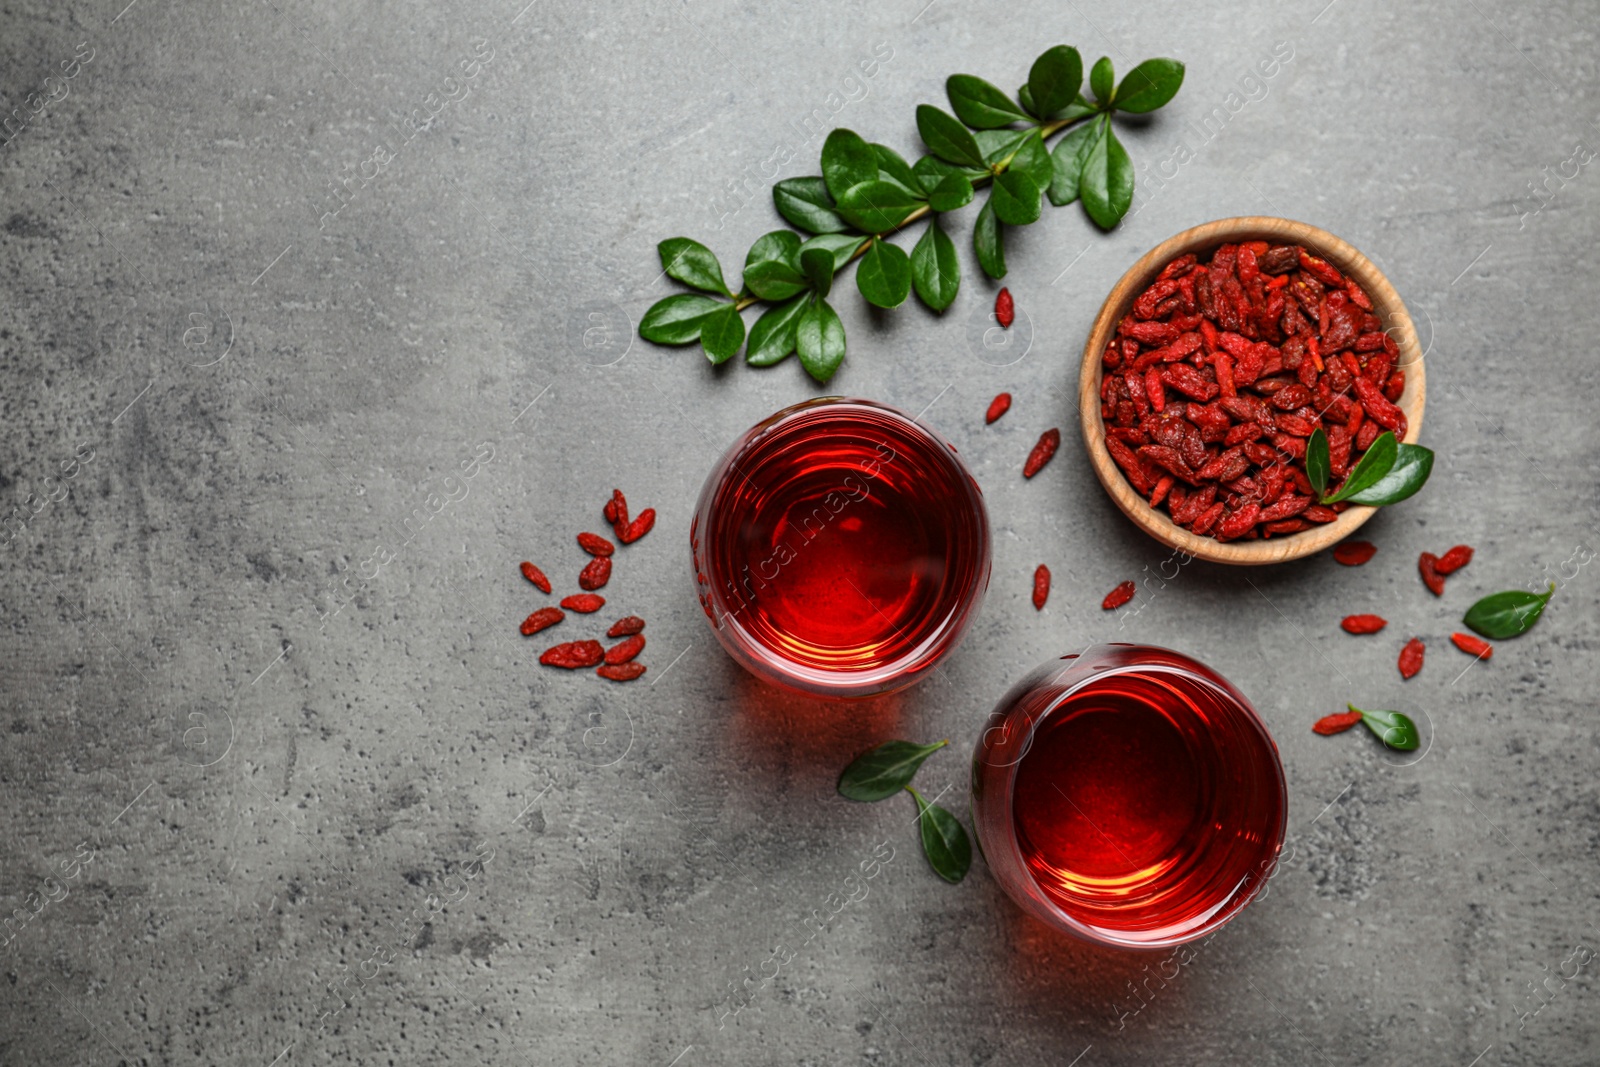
(867, 193)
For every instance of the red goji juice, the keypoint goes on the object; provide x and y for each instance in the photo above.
(840, 548)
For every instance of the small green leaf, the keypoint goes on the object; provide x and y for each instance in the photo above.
(1015, 198)
(1412, 465)
(884, 276)
(935, 267)
(989, 242)
(1055, 80)
(1107, 181)
(772, 337)
(721, 333)
(847, 159)
(1033, 160)
(879, 773)
(693, 264)
(805, 202)
(677, 320)
(772, 267)
(1392, 728)
(944, 840)
(931, 170)
(1375, 463)
(1068, 159)
(946, 137)
(819, 338)
(1101, 80)
(1508, 614)
(817, 265)
(893, 166)
(1149, 86)
(979, 104)
(842, 245)
(878, 206)
(954, 192)
(998, 146)
(1317, 462)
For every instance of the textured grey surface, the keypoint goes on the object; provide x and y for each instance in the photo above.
(248, 797)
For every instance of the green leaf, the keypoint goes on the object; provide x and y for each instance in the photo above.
(1069, 157)
(935, 267)
(946, 137)
(805, 202)
(1015, 198)
(772, 337)
(1412, 465)
(1107, 180)
(954, 192)
(1149, 86)
(1317, 462)
(721, 333)
(944, 840)
(979, 104)
(879, 773)
(1055, 80)
(677, 320)
(817, 265)
(693, 264)
(998, 145)
(1101, 79)
(884, 276)
(1033, 160)
(1375, 463)
(989, 242)
(847, 159)
(878, 206)
(820, 340)
(772, 267)
(931, 170)
(1508, 614)
(893, 166)
(1393, 729)
(841, 245)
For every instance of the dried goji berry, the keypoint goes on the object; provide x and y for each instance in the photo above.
(617, 512)
(1363, 624)
(1042, 453)
(1120, 595)
(536, 576)
(1411, 657)
(1354, 553)
(595, 545)
(1472, 646)
(626, 626)
(1336, 724)
(596, 574)
(1005, 311)
(1453, 560)
(623, 651)
(542, 619)
(584, 603)
(638, 527)
(1041, 586)
(1430, 573)
(573, 654)
(621, 672)
(997, 407)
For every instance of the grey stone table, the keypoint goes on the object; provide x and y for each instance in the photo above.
(290, 386)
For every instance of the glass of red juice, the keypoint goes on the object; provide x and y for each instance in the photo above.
(841, 548)
(1128, 795)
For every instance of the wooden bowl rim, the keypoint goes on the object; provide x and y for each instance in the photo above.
(1386, 304)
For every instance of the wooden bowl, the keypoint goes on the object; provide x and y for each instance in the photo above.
(1203, 239)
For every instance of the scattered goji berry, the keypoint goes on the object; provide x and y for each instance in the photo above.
(1453, 560)
(595, 545)
(1041, 587)
(638, 527)
(621, 672)
(584, 603)
(1472, 646)
(542, 619)
(1005, 311)
(617, 513)
(1042, 452)
(596, 574)
(1336, 724)
(1411, 657)
(536, 576)
(1426, 566)
(573, 654)
(1120, 595)
(1354, 553)
(626, 626)
(623, 651)
(997, 407)
(1363, 624)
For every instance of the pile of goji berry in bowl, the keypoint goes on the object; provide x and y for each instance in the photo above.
(1215, 359)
